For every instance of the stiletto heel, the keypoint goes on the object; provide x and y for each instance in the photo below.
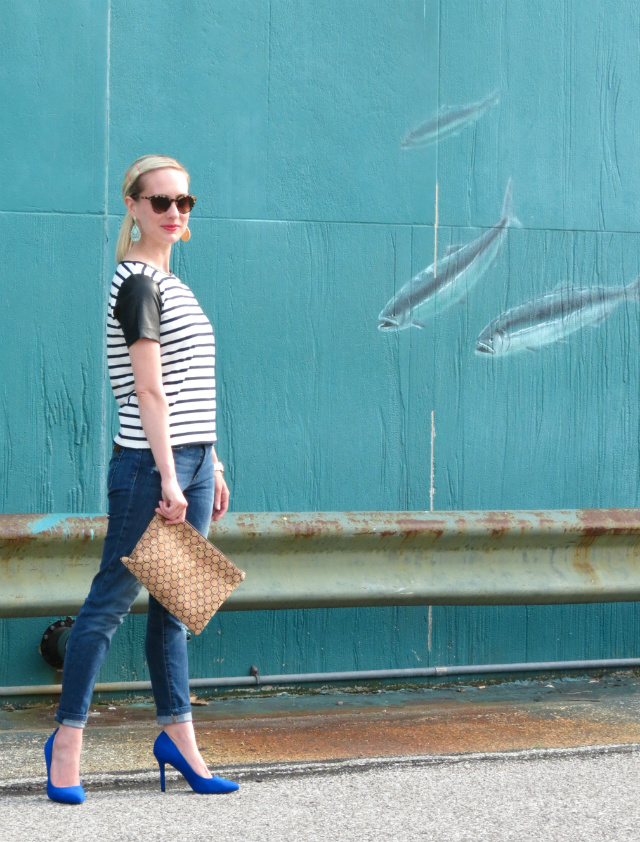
(63, 794)
(166, 751)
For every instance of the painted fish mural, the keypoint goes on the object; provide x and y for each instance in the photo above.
(449, 121)
(431, 291)
(552, 318)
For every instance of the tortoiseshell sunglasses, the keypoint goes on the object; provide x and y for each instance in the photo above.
(161, 203)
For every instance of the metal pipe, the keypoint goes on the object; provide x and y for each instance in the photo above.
(332, 559)
(355, 675)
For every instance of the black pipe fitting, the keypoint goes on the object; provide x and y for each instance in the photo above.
(54, 642)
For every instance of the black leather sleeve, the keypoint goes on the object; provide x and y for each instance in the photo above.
(138, 309)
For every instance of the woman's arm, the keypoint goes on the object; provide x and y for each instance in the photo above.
(154, 415)
(221, 498)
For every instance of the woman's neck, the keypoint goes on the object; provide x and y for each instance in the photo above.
(156, 256)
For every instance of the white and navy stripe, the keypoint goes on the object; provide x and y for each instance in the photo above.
(188, 354)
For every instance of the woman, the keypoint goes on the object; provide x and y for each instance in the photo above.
(161, 355)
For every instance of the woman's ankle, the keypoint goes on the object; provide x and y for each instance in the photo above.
(184, 736)
(69, 735)
(65, 756)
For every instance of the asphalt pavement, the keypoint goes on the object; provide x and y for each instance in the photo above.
(546, 759)
(581, 796)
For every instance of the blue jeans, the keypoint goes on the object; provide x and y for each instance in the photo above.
(134, 491)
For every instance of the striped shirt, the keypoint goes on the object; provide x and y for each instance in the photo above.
(164, 309)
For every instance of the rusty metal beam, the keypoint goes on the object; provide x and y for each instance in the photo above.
(328, 559)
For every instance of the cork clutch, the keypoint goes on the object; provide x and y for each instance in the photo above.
(189, 576)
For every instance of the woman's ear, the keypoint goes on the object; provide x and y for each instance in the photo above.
(130, 203)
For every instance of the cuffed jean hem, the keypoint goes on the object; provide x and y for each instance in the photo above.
(170, 719)
(65, 720)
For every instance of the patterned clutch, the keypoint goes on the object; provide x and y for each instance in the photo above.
(189, 576)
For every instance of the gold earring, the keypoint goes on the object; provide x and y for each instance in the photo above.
(186, 235)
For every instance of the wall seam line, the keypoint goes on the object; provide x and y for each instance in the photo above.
(452, 226)
(105, 240)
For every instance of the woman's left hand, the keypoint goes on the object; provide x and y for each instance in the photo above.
(221, 497)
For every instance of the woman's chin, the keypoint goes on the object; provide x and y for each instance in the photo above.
(169, 236)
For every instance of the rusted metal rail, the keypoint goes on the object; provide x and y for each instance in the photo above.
(315, 560)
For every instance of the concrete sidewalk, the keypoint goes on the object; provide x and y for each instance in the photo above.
(327, 730)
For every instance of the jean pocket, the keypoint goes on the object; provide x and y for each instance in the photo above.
(113, 465)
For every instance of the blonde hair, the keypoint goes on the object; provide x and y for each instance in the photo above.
(132, 185)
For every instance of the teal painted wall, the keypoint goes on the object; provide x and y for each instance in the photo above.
(311, 216)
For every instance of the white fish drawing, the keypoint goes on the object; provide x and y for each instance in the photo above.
(449, 121)
(431, 291)
(552, 317)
